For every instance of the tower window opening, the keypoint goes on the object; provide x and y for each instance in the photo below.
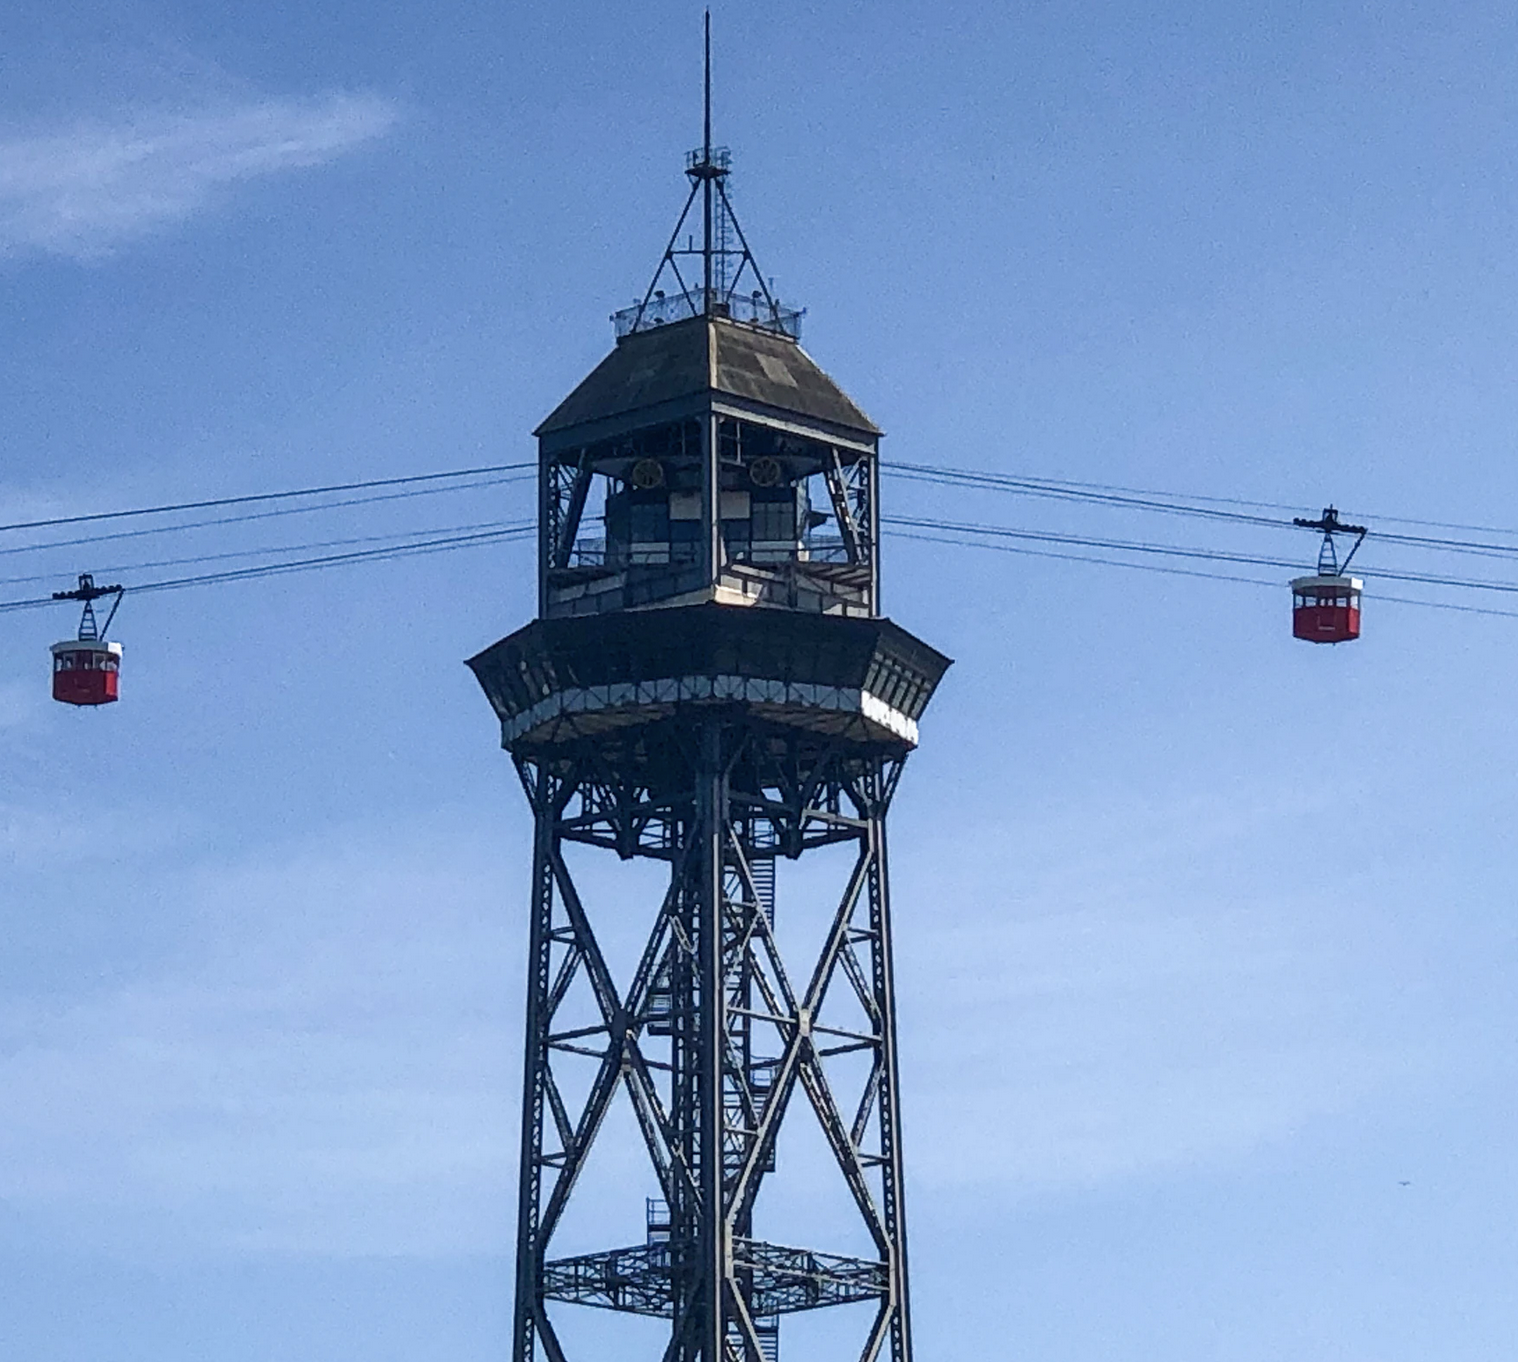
(775, 521)
(648, 522)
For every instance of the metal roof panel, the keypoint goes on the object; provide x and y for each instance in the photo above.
(704, 355)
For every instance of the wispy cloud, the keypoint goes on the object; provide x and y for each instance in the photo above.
(80, 191)
(318, 1069)
(1174, 995)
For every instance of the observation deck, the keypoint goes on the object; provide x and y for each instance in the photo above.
(863, 683)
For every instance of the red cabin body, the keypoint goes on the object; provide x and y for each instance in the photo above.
(1326, 609)
(86, 671)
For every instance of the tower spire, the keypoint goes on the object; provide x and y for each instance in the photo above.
(724, 250)
(707, 179)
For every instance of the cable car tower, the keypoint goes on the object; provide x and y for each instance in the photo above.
(709, 686)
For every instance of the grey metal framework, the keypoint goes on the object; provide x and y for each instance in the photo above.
(710, 685)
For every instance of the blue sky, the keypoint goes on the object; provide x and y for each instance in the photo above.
(1207, 938)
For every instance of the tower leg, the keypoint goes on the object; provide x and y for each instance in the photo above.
(711, 818)
(529, 1304)
(893, 1202)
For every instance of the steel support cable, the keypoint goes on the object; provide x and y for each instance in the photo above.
(1104, 494)
(1471, 546)
(251, 498)
(1079, 558)
(1179, 503)
(304, 564)
(1175, 551)
(1125, 498)
(988, 537)
(955, 477)
(395, 538)
(1084, 541)
(259, 515)
(893, 465)
(1027, 551)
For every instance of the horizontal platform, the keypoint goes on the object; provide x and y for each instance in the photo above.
(638, 1280)
(561, 680)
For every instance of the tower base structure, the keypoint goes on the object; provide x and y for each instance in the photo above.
(715, 739)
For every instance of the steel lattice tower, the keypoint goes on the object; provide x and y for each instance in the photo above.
(709, 684)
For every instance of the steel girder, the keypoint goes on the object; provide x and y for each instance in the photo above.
(781, 1280)
(714, 1034)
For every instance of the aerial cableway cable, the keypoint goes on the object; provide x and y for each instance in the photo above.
(1083, 541)
(970, 532)
(1009, 538)
(442, 545)
(1121, 498)
(1273, 584)
(395, 538)
(247, 516)
(210, 503)
(1173, 503)
(959, 534)
(1110, 496)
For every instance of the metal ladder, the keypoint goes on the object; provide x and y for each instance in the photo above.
(762, 868)
(768, 1329)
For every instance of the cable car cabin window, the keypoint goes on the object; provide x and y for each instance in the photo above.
(90, 660)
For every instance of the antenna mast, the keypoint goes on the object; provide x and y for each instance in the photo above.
(706, 164)
(722, 264)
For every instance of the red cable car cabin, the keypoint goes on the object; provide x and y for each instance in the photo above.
(1326, 609)
(86, 671)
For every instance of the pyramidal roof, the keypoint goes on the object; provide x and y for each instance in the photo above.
(708, 354)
